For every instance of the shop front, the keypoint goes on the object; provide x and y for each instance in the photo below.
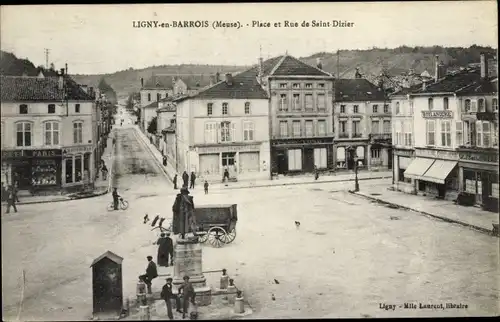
(402, 160)
(32, 169)
(77, 166)
(346, 160)
(301, 155)
(243, 161)
(479, 178)
(435, 173)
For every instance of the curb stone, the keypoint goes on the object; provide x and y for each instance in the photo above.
(478, 228)
(63, 199)
(300, 183)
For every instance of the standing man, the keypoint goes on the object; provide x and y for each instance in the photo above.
(175, 181)
(205, 185)
(183, 213)
(11, 201)
(165, 249)
(15, 191)
(151, 273)
(185, 178)
(167, 295)
(316, 173)
(226, 174)
(193, 178)
(188, 293)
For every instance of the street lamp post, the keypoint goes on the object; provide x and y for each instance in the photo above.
(356, 183)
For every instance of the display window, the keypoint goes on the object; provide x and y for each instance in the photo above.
(44, 172)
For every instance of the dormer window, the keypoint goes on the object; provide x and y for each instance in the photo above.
(23, 109)
(51, 108)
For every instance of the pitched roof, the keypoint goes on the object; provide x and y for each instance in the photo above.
(291, 66)
(19, 88)
(159, 81)
(451, 83)
(358, 89)
(154, 104)
(115, 258)
(196, 81)
(480, 87)
(244, 86)
(168, 108)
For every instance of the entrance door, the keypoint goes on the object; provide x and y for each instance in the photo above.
(479, 189)
(350, 161)
(441, 190)
(282, 162)
(389, 160)
(308, 160)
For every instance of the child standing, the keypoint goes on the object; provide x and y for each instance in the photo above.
(205, 185)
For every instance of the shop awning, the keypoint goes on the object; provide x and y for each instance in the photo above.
(418, 167)
(439, 171)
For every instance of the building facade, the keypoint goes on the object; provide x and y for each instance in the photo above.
(225, 127)
(48, 133)
(362, 116)
(300, 115)
(152, 91)
(456, 138)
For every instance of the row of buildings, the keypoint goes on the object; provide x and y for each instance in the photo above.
(53, 131)
(439, 136)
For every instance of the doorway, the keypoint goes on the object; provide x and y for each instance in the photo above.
(389, 158)
(282, 162)
(308, 159)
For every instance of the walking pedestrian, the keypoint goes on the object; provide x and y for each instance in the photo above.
(185, 179)
(316, 173)
(205, 185)
(175, 181)
(15, 190)
(151, 273)
(188, 295)
(193, 178)
(11, 201)
(165, 249)
(168, 295)
(226, 174)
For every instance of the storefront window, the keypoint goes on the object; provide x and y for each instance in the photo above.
(78, 168)
(341, 157)
(44, 172)
(228, 158)
(69, 170)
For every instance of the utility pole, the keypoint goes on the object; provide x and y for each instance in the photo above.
(47, 58)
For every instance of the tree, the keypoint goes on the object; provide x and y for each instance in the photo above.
(152, 126)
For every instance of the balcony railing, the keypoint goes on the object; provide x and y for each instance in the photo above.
(486, 116)
(380, 136)
(356, 135)
(302, 135)
(343, 135)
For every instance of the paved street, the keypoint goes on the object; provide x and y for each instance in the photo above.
(348, 256)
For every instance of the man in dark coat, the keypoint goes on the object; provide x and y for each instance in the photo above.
(116, 198)
(193, 179)
(175, 181)
(187, 291)
(11, 200)
(165, 249)
(183, 213)
(185, 178)
(151, 273)
(167, 295)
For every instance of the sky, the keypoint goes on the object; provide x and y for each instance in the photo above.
(96, 39)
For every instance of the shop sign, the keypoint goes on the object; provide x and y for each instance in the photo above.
(437, 154)
(404, 153)
(12, 154)
(478, 156)
(77, 149)
(229, 148)
(437, 114)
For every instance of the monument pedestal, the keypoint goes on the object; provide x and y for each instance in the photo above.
(188, 261)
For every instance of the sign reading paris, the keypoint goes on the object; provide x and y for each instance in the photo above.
(437, 114)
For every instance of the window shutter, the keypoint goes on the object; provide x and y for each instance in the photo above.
(233, 132)
(218, 130)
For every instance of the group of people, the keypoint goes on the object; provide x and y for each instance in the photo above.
(189, 180)
(9, 194)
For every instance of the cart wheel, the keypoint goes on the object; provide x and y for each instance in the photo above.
(203, 237)
(229, 237)
(215, 236)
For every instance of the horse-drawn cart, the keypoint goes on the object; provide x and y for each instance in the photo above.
(216, 223)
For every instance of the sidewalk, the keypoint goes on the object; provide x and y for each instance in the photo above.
(101, 187)
(169, 170)
(442, 209)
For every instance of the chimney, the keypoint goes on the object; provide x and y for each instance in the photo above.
(60, 80)
(217, 77)
(318, 63)
(229, 79)
(484, 66)
(436, 69)
(142, 82)
(91, 92)
(66, 68)
(424, 85)
(357, 74)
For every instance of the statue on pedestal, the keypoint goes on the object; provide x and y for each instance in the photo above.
(184, 220)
